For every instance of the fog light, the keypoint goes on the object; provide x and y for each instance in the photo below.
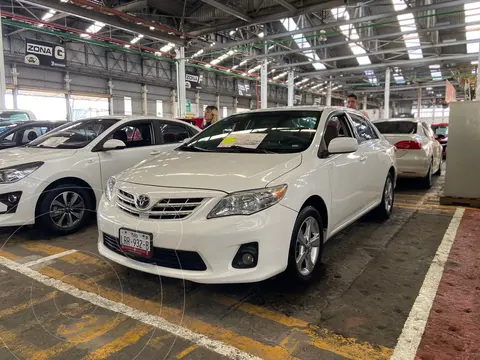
(12, 198)
(246, 257)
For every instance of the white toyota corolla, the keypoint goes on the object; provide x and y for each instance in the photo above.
(58, 179)
(251, 196)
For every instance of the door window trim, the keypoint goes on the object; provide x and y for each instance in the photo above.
(322, 150)
(173, 123)
(370, 126)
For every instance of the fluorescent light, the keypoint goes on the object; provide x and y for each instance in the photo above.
(290, 25)
(435, 66)
(167, 47)
(244, 74)
(127, 46)
(243, 62)
(213, 43)
(234, 67)
(254, 69)
(429, 88)
(208, 66)
(48, 15)
(232, 32)
(136, 39)
(279, 76)
(271, 47)
(93, 29)
(152, 28)
(261, 35)
(407, 23)
(198, 53)
(472, 14)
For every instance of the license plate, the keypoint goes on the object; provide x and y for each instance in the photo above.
(136, 242)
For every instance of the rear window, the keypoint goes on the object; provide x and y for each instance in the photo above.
(396, 127)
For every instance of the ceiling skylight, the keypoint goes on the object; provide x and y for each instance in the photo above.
(136, 39)
(93, 29)
(167, 48)
(472, 32)
(281, 75)
(407, 23)
(48, 15)
(435, 72)
(222, 57)
(290, 25)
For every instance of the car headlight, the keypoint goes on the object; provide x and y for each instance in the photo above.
(15, 173)
(110, 189)
(248, 202)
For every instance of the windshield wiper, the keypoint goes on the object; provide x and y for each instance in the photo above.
(193, 148)
(250, 150)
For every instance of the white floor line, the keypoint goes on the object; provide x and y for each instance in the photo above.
(146, 318)
(48, 258)
(413, 329)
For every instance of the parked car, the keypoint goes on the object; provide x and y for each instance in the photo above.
(419, 155)
(441, 134)
(198, 122)
(21, 133)
(16, 115)
(57, 180)
(249, 197)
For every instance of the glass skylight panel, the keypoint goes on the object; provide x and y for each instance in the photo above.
(472, 32)
(222, 57)
(281, 75)
(407, 23)
(435, 72)
(198, 53)
(167, 47)
(136, 39)
(290, 25)
(93, 29)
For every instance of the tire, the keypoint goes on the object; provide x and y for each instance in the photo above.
(426, 182)
(55, 217)
(439, 171)
(383, 211)
(300, 271)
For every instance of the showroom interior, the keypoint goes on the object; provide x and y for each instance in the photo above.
(239, 179)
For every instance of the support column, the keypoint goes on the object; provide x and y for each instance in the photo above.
(235, 105)
(68, 96)
(144, 100)
(110, 99)
(264, 84)
(197, 102)
(15, 86)
(252, 104)
(477, 88)
(3, 87)
(291, 88)
(174, 104)
(364, 104)
(433, 112)
(419, 102)
(182, 92)
(386, 113)
(217, 104)
(329, 94)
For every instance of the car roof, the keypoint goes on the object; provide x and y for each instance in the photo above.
(126, 118)
(31, 122)
(398, 119)
(309, 108)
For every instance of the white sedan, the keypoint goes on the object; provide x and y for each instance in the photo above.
(58, 179)
(419, 154)
(249, 197)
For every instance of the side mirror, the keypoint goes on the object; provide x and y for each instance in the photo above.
(343, 145)
(113, 144)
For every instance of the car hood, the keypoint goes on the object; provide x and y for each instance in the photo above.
(228, 172)
(23, 155)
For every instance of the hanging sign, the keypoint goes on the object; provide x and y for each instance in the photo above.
(193, 80)
(244, 88)
(43, 53)
(297, 100)
(450, 92)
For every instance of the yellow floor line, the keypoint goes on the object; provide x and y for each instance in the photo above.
(17, 308)
(82, 337)
(176, 316)
(75, 258)
(187, 351)
(15, 344)
(8, 255)
(127, 339)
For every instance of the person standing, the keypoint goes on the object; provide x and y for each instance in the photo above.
(352, 103)
(211, 116)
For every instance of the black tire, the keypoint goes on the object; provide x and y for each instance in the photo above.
(383, 211)
(439, 171)
(426, 182)
(83, 204)
(306, 214)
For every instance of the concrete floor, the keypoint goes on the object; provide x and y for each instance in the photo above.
(355, 308)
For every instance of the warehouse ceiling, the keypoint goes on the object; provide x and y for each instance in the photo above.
(351, 43)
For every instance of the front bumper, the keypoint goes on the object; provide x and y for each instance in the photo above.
(24, 212)
(216, 241)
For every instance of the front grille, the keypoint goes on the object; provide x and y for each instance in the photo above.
(174, 259)
(165, 209)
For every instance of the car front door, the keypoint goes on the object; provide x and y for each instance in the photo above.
(142, 140)
(371, 149)
(346, 172)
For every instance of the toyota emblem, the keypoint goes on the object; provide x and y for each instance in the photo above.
(143, 201)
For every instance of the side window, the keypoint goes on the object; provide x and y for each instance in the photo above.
(135, 135)
(336, 126)
(173, 133)
(30, 134)
(365, 131)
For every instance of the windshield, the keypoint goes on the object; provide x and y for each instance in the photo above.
(266, 132)
(13, 116)
(74, 135)
(440, 130)
(396, 127)
(4, 128)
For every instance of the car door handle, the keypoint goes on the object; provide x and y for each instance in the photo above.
(155, 152)
(363, 158)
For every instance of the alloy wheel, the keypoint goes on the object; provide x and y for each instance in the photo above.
(67, 209)
(388, 195)
(307, 246)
